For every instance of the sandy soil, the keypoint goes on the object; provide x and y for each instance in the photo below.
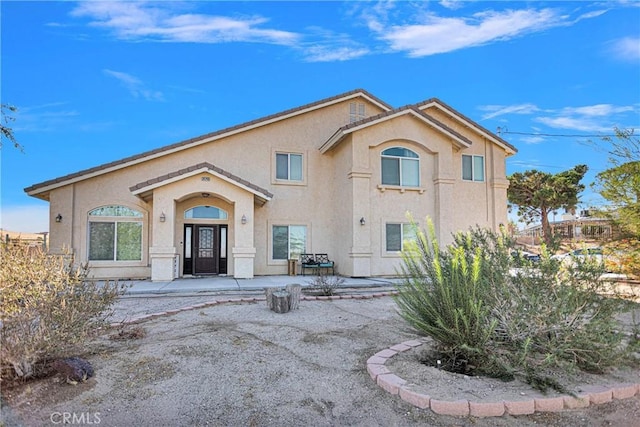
(243, 365)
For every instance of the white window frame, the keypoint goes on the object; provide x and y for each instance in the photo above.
(137, 218)
(474, 177)
(289, 254)
(288, 179)
(406, 233)
(222, 214)
(401, 163)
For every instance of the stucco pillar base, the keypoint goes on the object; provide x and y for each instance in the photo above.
(243, 262)
(360, 263)
(163, 263)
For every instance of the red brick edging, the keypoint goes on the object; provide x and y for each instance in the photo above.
(387, 380)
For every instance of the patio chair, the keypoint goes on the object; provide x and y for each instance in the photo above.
(324, 262)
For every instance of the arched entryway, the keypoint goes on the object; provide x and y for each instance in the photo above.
(205, 241)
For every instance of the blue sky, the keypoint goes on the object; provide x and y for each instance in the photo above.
(98, 81)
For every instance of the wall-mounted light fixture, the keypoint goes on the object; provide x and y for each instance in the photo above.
(163, 217)
(205, 195)
(243, 219)
(362, 221)
(58, 218)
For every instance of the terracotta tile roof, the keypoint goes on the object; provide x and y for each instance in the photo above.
(158, 151)
(467, 119)
(199, 167)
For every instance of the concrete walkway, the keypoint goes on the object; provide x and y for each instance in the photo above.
(221, 283)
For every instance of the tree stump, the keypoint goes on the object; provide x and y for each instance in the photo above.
(294, 296)
(280, 301)
(268, 292)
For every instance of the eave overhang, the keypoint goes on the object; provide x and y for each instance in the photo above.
(145, 189)
(464, 120)
(460, 140)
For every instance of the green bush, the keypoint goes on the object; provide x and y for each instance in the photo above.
(488, 317)
(48, 308)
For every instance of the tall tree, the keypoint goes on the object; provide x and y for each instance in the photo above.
(536, 194)
(620, 185)
(6, 132)
(624, 148)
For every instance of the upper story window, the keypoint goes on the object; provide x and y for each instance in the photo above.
(356, 111)
(289, 166)
(400, 166)
(473, 168)
(115, 234)
(208, 212)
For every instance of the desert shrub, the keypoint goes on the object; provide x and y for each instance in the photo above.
(48, 308)
(325, 285)
(128, 332)
(490, 318)
(623, 256)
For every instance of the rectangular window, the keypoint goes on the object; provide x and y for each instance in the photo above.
(410, 173)
(128, 241)
(473, 168)
(289, 166)
(390, 171)
(356, 111)
(115, 241)
(289, 241)
(397, 235)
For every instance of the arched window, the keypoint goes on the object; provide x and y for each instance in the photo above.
(115, 234)
(400, 166)
(205, 212)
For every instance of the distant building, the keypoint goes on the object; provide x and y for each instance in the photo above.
(573, 227)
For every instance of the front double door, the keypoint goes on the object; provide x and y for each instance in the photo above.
(205, 249)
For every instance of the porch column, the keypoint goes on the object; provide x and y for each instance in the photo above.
(360, 253)
(163, 254)
(243, 251)
(444, 206)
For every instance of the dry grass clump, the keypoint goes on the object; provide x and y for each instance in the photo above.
(48, 308)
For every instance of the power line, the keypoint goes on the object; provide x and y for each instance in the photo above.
(502, 130)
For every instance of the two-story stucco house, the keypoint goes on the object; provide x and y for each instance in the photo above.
(335, 176)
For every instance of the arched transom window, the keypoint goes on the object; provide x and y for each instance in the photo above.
(400, 166)
(205, 212)
(115, 234)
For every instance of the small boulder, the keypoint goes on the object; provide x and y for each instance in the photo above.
(73, 369)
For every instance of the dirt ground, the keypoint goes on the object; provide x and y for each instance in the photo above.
(243, 365)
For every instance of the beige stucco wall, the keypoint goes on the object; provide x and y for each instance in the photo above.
(339, 187)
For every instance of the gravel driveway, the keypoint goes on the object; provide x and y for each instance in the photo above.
(239, 364)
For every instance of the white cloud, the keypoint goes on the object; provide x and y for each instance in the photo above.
(452, 4)
(328, 46)
(627, 49)
(135, 86)
(159, 22)
(439, 34)
(589, 118)
(598, 110)
(583, 124)
(532, 140)
(499, 110)
(327, 53)
(25, 219)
